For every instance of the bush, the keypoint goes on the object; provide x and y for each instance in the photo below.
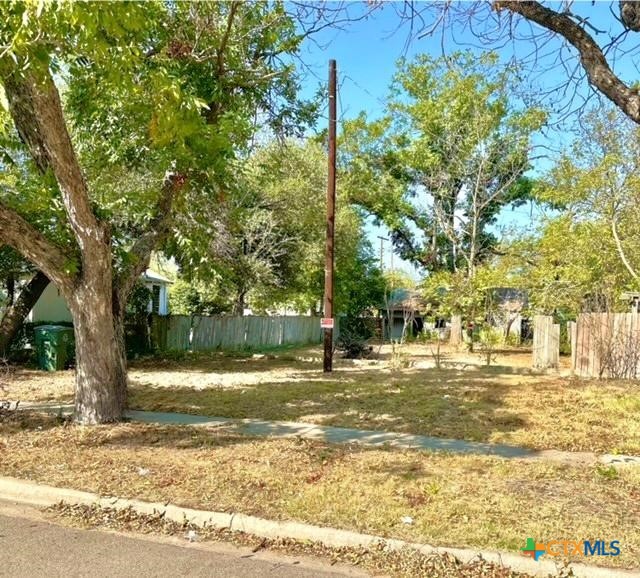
(512, 340)
(355, 333)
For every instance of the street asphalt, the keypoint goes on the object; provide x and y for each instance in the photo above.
(33, 547)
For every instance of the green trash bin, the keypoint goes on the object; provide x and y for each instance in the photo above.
(54, 346)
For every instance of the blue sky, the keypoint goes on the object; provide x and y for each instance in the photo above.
(366, 52)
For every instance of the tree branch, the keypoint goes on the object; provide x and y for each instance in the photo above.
(34, 104)
(619, 247)
(48, 257)
(157, 231)
(225, 39)
(591, 56)
(15, 314)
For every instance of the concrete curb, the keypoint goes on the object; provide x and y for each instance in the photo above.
(28, 492)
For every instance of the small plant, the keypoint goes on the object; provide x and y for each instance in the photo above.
(436, 349)
(432, 488)
(607, 472)
(512, 340)
(399, 358)
(173, 355)
(489, 338)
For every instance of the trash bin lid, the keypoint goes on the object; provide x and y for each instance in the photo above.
(53, 328)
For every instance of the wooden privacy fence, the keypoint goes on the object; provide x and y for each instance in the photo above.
(546, 342)
(606, 345)
(171, 332)
(182, 333)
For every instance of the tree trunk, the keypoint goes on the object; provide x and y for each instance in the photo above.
(239, 305)
(16, 313)
(11, 288)
(101, 367)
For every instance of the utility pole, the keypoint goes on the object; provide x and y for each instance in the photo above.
(382, 240)
(328, 321)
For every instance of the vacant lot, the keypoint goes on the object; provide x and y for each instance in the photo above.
(433, 498)
(401, 392)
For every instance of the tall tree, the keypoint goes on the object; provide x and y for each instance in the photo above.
(293, 180)
(598, 179)
(458, 147)
(569, 266)
(158, 98)
(252, 248)
(585, 253)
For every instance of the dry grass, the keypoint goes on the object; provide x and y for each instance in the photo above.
(495, 404)
(453, 500)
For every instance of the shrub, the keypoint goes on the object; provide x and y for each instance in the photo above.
(489, 337)
(355, 333)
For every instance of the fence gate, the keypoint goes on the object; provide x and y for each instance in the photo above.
(546, 342)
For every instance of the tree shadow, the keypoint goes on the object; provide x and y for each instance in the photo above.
(455, 404)
(126, 434)
(139, 435)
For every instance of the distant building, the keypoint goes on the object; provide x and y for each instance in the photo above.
(633, 299)
(52, 306)
(507, 313)
(403, 314)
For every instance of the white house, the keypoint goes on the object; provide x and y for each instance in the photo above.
(52, 307)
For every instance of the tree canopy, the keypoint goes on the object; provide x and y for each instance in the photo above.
(451, 152)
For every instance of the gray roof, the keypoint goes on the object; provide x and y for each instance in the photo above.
(405, 299)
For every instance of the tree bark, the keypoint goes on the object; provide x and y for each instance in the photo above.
(101, 381)
(16, 313)
(84, 272)
(239, 305)
(630, 14)
(101, 370)
(620, 248)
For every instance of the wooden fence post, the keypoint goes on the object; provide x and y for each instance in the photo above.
(572, 330)
(546, 342)
(455, 337)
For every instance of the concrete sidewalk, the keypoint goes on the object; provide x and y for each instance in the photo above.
(374, 438)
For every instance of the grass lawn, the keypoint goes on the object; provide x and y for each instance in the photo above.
(453, 500)
(494, 404)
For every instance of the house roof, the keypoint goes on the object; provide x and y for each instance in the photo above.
(405, 299)
(153, 277)
(630, 295)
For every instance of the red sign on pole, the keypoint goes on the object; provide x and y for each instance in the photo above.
(326, 323)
